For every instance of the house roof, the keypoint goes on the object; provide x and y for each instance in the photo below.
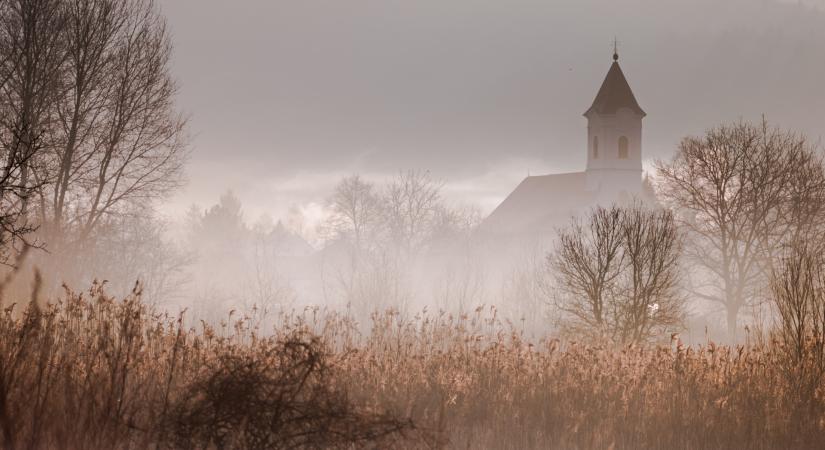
(540, 202)
(614, 94)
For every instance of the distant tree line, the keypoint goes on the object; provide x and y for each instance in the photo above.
(379, 236)
(90, 139)
(238, 265)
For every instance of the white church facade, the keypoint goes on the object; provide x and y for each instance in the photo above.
(613, 173)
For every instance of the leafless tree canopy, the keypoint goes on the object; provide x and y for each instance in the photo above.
(798, 292)
(32, 53)
(742, 192)
(797, 289)
(356, 208)
(413, 205)
(379, 234)
(617, 274)
(88, 125)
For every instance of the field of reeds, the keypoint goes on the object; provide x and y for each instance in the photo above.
(93, 372)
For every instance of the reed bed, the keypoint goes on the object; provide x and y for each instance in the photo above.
(93, 372)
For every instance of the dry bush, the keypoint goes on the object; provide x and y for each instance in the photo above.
(274, 396)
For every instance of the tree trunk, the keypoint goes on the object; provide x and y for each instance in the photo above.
(733, 313)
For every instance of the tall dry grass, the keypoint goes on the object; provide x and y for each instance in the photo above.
(93, 372)
(476, 383)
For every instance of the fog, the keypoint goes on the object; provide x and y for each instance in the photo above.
(412, 224)
(286, 98)
(403, 156)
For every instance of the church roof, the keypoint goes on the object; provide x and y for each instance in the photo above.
(614, 94)
(287, 243)
(539, 203)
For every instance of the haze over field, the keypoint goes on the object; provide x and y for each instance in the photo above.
(288, 97)
(412, 224)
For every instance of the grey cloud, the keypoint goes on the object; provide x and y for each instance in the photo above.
(459, 87)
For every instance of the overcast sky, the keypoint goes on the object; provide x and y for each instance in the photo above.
(288, 96)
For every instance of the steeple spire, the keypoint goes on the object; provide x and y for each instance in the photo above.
(615, 92)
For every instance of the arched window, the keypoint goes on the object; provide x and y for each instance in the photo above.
(595, 147)
(623, 147)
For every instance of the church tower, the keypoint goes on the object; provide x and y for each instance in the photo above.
(614, 137)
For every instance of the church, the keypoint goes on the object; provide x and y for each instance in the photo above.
(613, 173)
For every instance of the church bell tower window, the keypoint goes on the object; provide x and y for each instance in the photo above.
(623, 147)
(595, 147)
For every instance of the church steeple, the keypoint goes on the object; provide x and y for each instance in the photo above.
(614, 135)
(615, 93)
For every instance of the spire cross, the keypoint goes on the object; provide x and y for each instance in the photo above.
(615, 49)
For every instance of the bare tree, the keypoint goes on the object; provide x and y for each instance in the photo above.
(31, 59)
(798, 294)
(618, 274)
(356, 212)
(382, 241)
(650, 280)
(141, 150)
(267, 288)
(385, 232)
(413, 206)
(587, 262)
(134, 248)
(799, 212)
(92, 33)
(741, 192)
(88, 125)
